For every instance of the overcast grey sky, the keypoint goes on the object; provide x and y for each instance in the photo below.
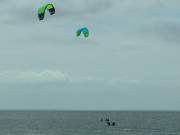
(131, 60)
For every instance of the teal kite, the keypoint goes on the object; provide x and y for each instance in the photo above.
(42, 10)
(84, 30)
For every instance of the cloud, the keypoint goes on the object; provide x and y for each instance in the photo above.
(32, 76)
(124, 59)
(136, 31)
(164, 29)
(16, 76)
(83, 7)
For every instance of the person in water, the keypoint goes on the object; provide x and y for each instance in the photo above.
(107, 119)
(108, 123)
(113, 123)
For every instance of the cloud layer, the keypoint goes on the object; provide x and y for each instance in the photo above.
(131, 57)
(32, 76)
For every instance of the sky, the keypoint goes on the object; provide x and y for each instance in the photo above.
(130, 61)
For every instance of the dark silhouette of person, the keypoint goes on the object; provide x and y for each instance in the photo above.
(113, 123)
(108, 123)
(107, 119)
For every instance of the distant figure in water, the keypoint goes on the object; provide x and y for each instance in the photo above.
(113, 123)
(107, 119)
(108, 123)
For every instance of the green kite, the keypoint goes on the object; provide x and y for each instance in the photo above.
(42, 10)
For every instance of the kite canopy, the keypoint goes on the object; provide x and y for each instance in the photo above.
(42, 10)
(84, 30)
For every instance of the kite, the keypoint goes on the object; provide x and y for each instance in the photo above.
(42, 10)
(84, 30)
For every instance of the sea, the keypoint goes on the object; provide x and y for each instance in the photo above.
(89, 123)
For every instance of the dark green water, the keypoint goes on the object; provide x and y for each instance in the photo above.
(88, 123)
